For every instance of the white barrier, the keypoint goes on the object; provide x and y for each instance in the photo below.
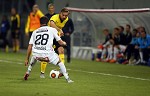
(84, 52)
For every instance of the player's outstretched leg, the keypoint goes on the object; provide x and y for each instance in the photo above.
(63, 69)
(32, 62)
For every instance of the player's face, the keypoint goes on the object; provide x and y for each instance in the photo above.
(105, 33)
(143, 35)
(137, 34)
(51, 9)
(127, 29)
(13, 11)
(116, 32)
(35, 8)
(63, 15)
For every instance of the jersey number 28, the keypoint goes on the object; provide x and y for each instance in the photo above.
(41, 39)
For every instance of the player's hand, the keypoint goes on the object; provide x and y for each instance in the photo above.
(136, 47)
(64, 43)
(68, 34)
(26, 62)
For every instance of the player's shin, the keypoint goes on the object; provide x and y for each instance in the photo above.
(63, 70)
(62, 57)
(31, 64)
(17, 48)
(43, 66)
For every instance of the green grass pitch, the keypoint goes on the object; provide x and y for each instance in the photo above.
(91, 79)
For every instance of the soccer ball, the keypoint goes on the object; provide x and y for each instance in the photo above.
(54, 74)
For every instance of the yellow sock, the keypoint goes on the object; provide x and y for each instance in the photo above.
(43, 66)
(7, 48)
(17, 48)
(14, 48)
(62, 57)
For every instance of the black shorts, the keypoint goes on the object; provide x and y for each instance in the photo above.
(56, 45)
(15, 35)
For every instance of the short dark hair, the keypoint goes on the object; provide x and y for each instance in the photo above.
(122, 28)
(116, 28)
(64, 10)
(128, 25)
(44, 20)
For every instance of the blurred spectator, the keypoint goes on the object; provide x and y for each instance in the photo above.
(121, 35)
(128, 35)
(51, 9)
(33, 21)
(113, 51)
(68, 30)
(131, 47)
(4, 27)
(143, 47)
(15, 29)
(119, 43)
(104, 47)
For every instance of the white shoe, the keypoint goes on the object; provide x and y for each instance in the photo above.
(69, 81)
(138, 62)
(42, 75)
(134, 61)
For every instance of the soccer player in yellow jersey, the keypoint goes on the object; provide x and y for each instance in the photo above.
(58, 21)
(15, 27)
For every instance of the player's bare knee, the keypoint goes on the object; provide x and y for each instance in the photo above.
(61, 50)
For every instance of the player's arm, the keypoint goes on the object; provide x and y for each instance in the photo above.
(71, 27)
(29, 50)
(62, 42)
(27, 26)
(58, 39)
(18, 23)
(39, 13)
(28, 54)
(52, 24)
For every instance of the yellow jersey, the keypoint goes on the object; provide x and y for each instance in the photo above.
(15, 22)
(60, 24)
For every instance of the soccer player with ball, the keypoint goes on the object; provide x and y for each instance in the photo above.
(40, 45)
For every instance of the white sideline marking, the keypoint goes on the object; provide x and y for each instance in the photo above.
(105, 74)
(8, 61)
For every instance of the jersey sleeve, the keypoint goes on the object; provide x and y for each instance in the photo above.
(27, 25)
(53, 18)
(18, 21)
(40, 14)
(56, 35)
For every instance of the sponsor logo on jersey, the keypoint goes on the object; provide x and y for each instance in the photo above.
(40, 48)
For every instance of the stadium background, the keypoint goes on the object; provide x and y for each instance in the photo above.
(88, 26)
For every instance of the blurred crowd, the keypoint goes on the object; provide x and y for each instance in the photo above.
(125, 46)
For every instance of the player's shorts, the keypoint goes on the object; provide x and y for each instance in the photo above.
(56, 45)
(15, 35)
(52, 57)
